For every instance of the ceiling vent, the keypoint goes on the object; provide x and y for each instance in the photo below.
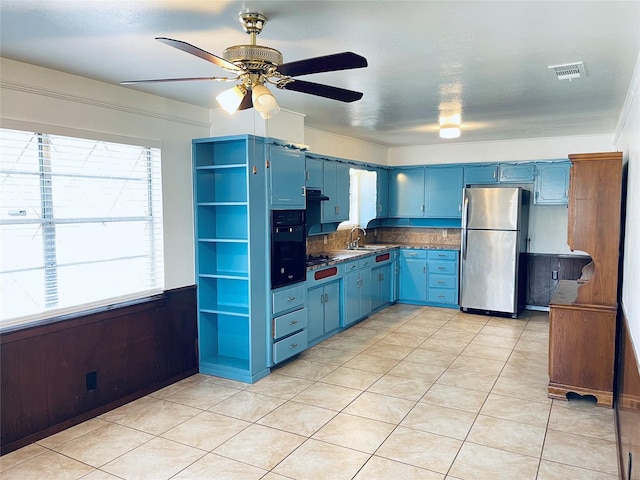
(568, 71)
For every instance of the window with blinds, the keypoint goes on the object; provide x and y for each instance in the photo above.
(80, 224)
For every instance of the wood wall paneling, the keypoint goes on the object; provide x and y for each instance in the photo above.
(628, 405)
(134, 349)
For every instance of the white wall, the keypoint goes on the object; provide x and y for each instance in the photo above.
(502, 151)
(628, 141)
(333, 145)
(33, 97)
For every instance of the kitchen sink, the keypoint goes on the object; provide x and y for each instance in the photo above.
(370, 248)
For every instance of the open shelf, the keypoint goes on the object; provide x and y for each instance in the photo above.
(226, 339)
(222, 222)
(231, 152)
(222, 185)
(223, 294)
(228, 259)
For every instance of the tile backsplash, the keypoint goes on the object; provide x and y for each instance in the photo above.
(385, 235)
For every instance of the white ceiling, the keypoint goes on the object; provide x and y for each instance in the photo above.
(487, 58)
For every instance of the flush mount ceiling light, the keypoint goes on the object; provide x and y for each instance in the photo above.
(450, 126)
(255, 65)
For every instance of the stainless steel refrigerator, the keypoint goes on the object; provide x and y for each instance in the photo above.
(494, 237)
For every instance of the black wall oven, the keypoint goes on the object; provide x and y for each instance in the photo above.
(288, 247)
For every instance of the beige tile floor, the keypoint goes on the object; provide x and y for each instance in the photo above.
(410, 393)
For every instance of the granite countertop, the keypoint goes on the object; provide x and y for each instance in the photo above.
(340, 256)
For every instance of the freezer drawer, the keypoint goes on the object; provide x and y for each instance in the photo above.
(488, 271)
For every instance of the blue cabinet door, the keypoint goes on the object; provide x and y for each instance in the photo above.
(443, 192)
(286, 177)
(406, 193)
(351, 298)
(552, 184)
(517, 173)
(331, 307)
(315, 319)
(366, 292)
(343, 183)
(413, 280)
(480, 174)
(381, 286)
(314, 177)
(336, 187)
(382, 192)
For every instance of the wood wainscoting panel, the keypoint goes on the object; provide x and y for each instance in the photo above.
(628, 404)
(65, 371)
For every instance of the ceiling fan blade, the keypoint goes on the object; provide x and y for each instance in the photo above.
(247, 102)
(198, 52)
(326, 91)
(328, 63)
(188, 79)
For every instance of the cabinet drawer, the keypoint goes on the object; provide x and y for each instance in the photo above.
(350, 267)
(413, 253)
(445, 267)
(441, 255)
(441, 295)
(289, 298)
(365, 262)
(289, 346)
(289, 323)
(442, 281)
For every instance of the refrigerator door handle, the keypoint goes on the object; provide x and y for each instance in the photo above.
(465, 208)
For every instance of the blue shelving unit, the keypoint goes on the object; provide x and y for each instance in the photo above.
(230, 229)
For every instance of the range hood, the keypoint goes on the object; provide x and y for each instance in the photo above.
(315, 194)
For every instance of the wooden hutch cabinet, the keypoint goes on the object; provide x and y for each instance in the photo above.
(582, 318)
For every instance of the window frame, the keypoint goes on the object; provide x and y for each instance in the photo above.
(47, 222)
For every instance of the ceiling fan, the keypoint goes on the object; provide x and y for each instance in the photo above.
(255, 65)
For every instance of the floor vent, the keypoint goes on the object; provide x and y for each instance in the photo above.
(568, 71)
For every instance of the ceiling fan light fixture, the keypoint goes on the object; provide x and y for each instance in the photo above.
(231, 99)
(449, 131)
(263, 99)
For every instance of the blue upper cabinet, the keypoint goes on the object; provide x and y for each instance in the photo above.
(382, 192)
(314, 177)
(406, 193)
(523, 173)
(480, 174)
(336, 187)
(443, 192)
(552, 183)
(286, 177)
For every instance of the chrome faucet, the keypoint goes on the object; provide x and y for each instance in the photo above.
(354, 244)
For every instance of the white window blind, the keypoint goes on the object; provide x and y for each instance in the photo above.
(80, 224)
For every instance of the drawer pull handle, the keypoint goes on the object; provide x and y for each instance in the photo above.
(293, 345)
(291, 299)
(441, 268)
(440, 283)
(293, 322)
(440, 296)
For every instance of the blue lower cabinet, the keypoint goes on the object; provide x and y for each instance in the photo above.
(429, 277)
(381, 285)
(324, 310)
(289, 322)
(357, 291)
(413, 276)
(290, 346)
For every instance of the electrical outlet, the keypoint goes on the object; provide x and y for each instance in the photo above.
(325, 239)
(554, 274)
(91, 381)
(444, 233)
